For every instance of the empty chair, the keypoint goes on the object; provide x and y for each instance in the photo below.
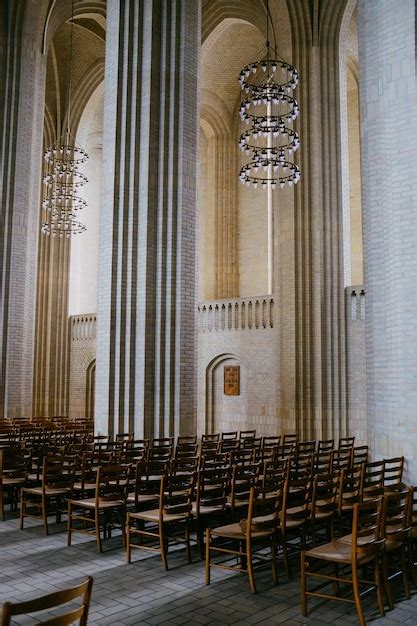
(350, 492)
(50, 498)
(52, 601)
(186, 440)
(245, 541)
(289, 444)
(363, 547)
(169, 523)
(229, 436)
(213, 483)
(244, 477)
(93, 515)
(253, 443)
(396, 530)
(323, 462)
(273, 441)
(412, 511)
(323, 508)
(294, 516)
(342, 458)
(300, 466)
(14, 471)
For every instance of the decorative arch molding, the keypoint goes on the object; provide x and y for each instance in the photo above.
(211, 368)
(216, 11)
(88, 84)
(59, 11)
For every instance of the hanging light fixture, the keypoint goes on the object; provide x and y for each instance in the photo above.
(269, 108)
(64, 176)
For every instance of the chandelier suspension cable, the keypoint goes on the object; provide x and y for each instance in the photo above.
(70, 70)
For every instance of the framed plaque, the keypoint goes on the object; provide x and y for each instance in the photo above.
(231, 380)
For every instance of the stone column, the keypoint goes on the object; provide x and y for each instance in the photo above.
(21, 125)
(146, 293)
(311, 310)
(387, 68)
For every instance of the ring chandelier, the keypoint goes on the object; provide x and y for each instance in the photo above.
(269, 108)
(64, 176)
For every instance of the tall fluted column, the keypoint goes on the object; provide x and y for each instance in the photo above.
(312, 379)
(387, 69)
(21, 124)
(146, 309)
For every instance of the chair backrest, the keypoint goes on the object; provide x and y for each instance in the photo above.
(323, 462)
(210, 437)
(252, 443)
(393, 473)
(244, 477)
(186, 440)
(297, 496)
(325, 445)
(176, 495)
(59, 471)
(324, 495)
(360, 455)
(273, 441)
(367, 539)
(301, 466)
(212, 487)
(395, 521)
(247, 434)
(53, 600)
(373, 479)
(162, 442)
(346, 442)
(112, 483)
(350, 487)
(342, 458)
(242, 457)
(228, 445)
(232, 435)
(306, 447)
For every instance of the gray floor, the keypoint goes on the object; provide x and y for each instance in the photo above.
(142, 593)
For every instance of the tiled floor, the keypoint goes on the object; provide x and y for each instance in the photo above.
(142, 593)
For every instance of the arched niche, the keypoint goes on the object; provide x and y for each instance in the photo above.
(224, 413)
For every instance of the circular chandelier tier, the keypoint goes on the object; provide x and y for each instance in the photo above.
(62, 226)
(268, 108)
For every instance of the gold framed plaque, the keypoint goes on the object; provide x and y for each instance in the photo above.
(231, 380)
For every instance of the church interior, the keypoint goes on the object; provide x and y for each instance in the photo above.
(208, 328)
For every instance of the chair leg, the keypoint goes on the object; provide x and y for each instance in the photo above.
(386, 581)
(357, 597)
(123, 524)
(128, 540)
(285, 555)
(163, 546)
(404, 571)
(187, 540)
(250, 566)
(22, 508)
(274, 560)
(208, 539)
(97, 525)
(303, 585)
(44, 514)
(1, 503)
(378, 584)
(69, 524)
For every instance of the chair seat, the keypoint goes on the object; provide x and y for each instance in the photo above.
(85, 487)
(49, 491)
(207, 510)
(234, 531)
(90, 503)
(142, 497)
(153, 516)
(339, 550)
(13, 482)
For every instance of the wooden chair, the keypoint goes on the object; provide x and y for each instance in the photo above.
(244, 477)
(396, 530)
(58, 475)
(363, 547)
(300, 466)
(14, 471)
(306, 447)
(169, 523)
(229, 436)
(246, 540)
(349, 493)
(210, 437)
(413, 538)
(360, 455)
(346, 443)
(92, 515)
(247, 434)
(53, 600)
(213, 482)
(323, 462)
(289, 444)
(294, 516)
(342, 459)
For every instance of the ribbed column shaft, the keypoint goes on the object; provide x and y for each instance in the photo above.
(314, 301)
(146, 318)
(387, 69)
(21, 123)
